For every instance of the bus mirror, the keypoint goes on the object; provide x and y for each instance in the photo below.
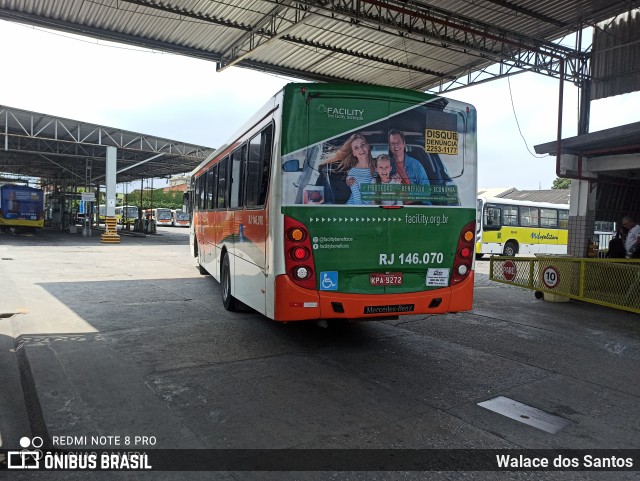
(292, 165)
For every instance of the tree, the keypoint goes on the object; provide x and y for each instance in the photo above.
(156, 198)
(561, 183)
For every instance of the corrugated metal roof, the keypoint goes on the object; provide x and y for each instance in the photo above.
(32, 140)
(616, 56)
(624, 139)
(553, 196)
(418, 44)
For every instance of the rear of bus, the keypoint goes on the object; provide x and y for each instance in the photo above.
(391, 248)
(21, 206)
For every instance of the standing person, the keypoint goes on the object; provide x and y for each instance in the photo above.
(383, 168)
(354, 158)
(616, 248)
(409, 169)
(632, 242)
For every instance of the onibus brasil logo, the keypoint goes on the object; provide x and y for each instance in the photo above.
(32, 457)
(29, 456)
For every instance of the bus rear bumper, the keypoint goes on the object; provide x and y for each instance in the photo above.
(294, 303)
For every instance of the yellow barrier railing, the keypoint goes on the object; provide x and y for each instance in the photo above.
(608, 282)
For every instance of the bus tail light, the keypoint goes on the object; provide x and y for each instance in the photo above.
(298, 256)
(464, 254)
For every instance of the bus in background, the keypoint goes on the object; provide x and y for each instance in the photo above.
(180, 218)
(126, 214)
(509, 227)
(21, 206)
(279, 225)
(101, 214)
(162, 216)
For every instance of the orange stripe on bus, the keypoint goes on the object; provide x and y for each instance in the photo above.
(290, 299)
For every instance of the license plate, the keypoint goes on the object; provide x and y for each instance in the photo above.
(385, 278)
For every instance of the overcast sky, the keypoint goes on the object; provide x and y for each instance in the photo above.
(185, 99)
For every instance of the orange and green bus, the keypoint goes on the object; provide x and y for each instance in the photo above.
(297, 220)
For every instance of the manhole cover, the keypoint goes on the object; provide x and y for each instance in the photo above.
(526, 414)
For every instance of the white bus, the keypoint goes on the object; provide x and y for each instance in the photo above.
(162, 216)
(126, 214)
(180, 218)
(509, 227)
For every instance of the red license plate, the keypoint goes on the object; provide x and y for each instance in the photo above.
(385, 278)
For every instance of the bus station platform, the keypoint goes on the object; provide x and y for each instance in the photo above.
(100, 342)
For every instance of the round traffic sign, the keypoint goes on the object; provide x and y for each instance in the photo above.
(509, 270)
(550, 277)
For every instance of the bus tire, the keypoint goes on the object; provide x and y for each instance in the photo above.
(229, 302)
(510, 249)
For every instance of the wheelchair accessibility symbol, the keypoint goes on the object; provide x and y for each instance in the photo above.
(329, 281)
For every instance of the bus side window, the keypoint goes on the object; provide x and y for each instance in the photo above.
(549, 218)
(510, 216)
(237, 176)
(492, 218)
(564, 219)
(267, 149)
(212, 185)
(196, 197)
(205, 199)
(223, 184)
(529, 217)
(259, 168)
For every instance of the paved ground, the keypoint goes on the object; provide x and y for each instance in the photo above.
(130, 340)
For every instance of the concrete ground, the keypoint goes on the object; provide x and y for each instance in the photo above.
(129, 340)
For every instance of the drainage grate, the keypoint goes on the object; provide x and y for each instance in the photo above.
(526, 414)
(7, 258)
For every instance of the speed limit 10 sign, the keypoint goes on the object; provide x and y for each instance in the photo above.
(551, 277)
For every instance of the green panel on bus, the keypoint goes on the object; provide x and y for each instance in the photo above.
(334, 109)
(384, 180)
(355, 242)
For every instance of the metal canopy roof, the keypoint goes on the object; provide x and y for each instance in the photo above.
(624, 139)
(54, 148)
(420, 44)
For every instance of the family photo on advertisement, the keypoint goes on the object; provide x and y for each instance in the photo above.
(399, 161)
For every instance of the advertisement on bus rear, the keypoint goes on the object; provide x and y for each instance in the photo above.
(21, 203)
(385, 187)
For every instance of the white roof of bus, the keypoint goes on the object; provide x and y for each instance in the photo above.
(524, 203)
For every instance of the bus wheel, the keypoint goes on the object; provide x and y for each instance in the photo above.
(225, 280)
(510, 249)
